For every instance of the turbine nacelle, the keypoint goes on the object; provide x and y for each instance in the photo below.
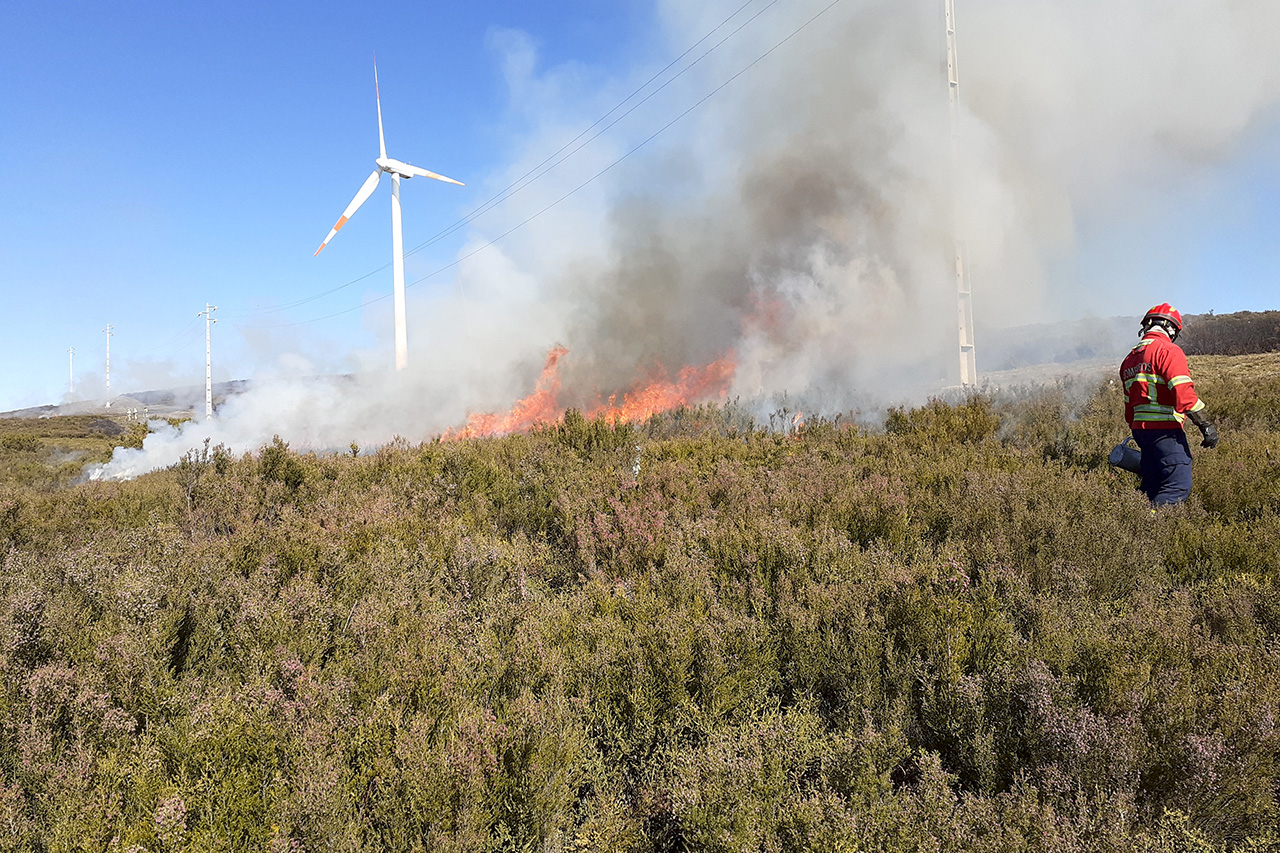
(397, 169)
(408, 170)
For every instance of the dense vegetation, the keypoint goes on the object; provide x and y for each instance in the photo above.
(1232, 334)
(956, 631)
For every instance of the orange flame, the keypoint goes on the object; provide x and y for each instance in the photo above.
(797, 424)
(538, 407)
(692, 385)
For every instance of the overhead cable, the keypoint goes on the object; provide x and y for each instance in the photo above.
(539, 170)
(576, 189)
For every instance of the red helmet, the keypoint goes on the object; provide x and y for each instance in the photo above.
(1163, 311)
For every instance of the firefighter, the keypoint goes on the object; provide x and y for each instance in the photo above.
(1159, 396)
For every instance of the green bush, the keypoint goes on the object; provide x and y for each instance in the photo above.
(961, 631)
(21, 443)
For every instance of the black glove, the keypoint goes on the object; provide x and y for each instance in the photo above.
(1207, 429)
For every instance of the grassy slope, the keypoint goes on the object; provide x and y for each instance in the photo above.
(51, 452)
(962, 632)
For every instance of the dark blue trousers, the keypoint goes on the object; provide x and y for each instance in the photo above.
(1166, 464)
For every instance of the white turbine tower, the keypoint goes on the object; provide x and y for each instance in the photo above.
(397, 169)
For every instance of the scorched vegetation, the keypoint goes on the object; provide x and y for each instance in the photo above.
(960, 631)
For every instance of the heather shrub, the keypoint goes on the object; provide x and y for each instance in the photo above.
(940, 423)
(961, 631)
(1240, 480)
(20, 442)
(1201, 547)
(741, 787)
(1241, 393)
(727, 419)
(592, 436)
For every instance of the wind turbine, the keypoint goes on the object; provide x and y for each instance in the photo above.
(397, 169)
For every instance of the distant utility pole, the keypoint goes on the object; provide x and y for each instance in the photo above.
(108, 331)
(964, 295)
(71, 368)
(207, 314)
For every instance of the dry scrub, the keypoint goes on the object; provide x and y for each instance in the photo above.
(961, 632)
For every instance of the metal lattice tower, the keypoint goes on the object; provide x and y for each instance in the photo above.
(964, 295)
(207, 314)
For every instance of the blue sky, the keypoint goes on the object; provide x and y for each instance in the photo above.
(156, 155)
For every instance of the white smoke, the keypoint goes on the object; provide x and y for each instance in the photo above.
(802, 217)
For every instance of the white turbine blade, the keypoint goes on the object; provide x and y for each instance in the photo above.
(366, 189)
(419, 171)
(382, 143)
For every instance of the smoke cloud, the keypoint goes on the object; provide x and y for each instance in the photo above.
(803, 218)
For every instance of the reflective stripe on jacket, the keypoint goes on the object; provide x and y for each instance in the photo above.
(1157, 384)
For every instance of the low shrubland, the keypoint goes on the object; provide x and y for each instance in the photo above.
(51, 452)
(959, 630)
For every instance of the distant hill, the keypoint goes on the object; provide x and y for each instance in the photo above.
(1017, 347)
(158, 403)
(1000, 350)
(1241, 333)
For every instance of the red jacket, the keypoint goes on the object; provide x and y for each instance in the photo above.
(1157, 384)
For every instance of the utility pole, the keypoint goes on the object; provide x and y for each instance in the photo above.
(207, 313)
(964, 295)
(108, 331)
(71, 372)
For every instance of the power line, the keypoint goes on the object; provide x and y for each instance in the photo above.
(319, 295)
(573, 191)
(543, 168)
(529, 177)
(182, 337)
